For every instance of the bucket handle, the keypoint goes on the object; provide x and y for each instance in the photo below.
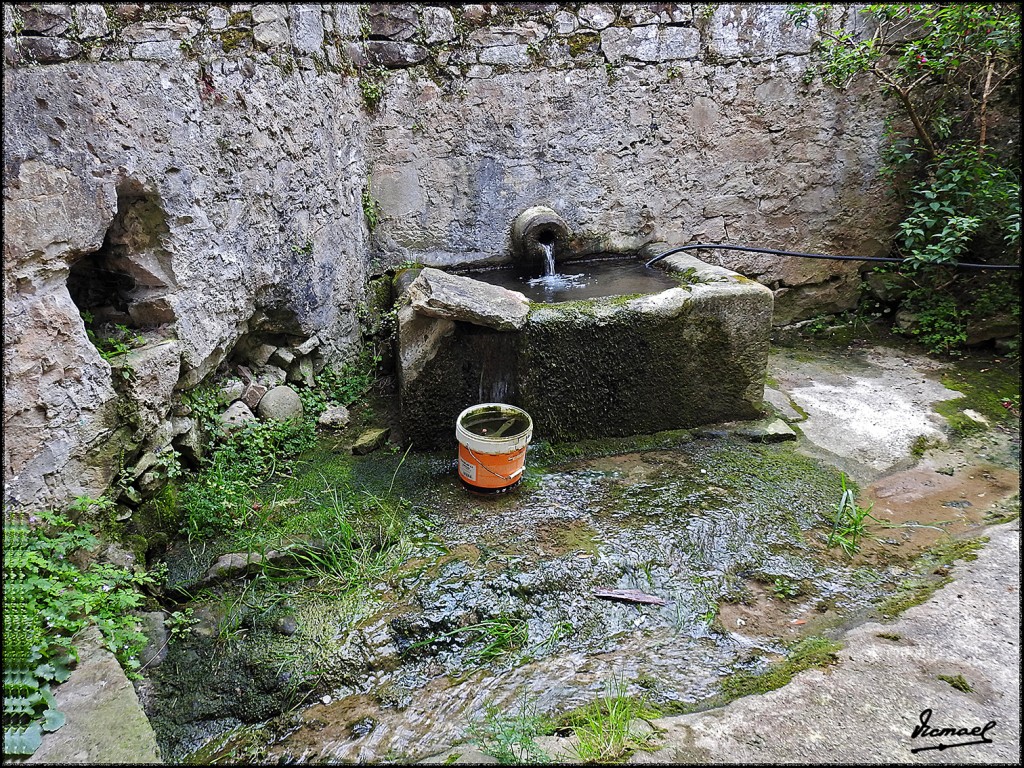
(507, 478)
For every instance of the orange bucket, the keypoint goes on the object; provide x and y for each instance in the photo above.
(492, 446)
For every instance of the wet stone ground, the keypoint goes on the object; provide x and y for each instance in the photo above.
(730, 533)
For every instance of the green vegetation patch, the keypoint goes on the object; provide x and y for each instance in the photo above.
(992, 389)
(809, 652)
(957, 681)
(930, 573)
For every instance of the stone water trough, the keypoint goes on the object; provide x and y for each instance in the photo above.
(606, 367)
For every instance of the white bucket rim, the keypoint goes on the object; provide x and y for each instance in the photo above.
(493, 445)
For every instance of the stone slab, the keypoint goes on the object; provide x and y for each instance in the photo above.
(105, 722)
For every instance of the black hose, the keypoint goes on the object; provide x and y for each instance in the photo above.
(728, 247)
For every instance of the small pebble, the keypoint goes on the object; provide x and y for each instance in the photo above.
(326, 699)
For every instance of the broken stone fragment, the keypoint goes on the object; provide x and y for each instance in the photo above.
(370, 441)
(280, 404)
(231, 391)
(283, 357)
(307, 347)
(232, 565)
(260, 354)
(438, 294)
(236, 416)
(302, 371)
(253, 394)
(774, 431)
(271, 376)
(334, 417)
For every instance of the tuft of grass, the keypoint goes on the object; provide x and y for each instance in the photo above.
(849, 525)
(510, 737)
(605, 729)
(957, 681)
(500, 637)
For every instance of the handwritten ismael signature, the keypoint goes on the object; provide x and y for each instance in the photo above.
(926, 731)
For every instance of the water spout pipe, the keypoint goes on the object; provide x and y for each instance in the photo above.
(777, 252)
(535, 231)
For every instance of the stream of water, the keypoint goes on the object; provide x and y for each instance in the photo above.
(699, 525)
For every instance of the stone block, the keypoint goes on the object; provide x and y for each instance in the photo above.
(346, 20)
(596, 17)
(217, 17)
(455, 297)
(92, 21)
(253, 393)
(394, 55)
(271, 34)
(45, 19)
(260, 354)
(47, 50)
(307, 28)
(269, 13)
(307, 347)
(676, 359)
(510, 55)
(105, 722)
(283, 357)
(393, 20)
(438, 25)
(161, 51)
(565, 23)
(650, 44)
(370, 441)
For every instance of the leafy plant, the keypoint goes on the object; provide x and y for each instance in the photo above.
(605, 730)
(31, 663)
(371, 208)
(113, 342)
(372, 85)
(848, 527)
(945, 65)
(510, 738)
(499, 637)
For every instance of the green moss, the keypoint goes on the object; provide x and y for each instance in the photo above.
(930, 573)
(1003, 512)
(809, 652)
(234, 39)
(584, 43)
(986, 385)
(957, 681)
(890, 636)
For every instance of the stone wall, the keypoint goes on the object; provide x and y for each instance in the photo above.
(205, 168)
(637, 123)
(224, 190)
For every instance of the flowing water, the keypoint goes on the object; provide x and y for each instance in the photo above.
(704, 524)
(604, 275)
(549, 259)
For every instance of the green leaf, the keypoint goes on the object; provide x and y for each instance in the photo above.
(53, 719)
(22, 741)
